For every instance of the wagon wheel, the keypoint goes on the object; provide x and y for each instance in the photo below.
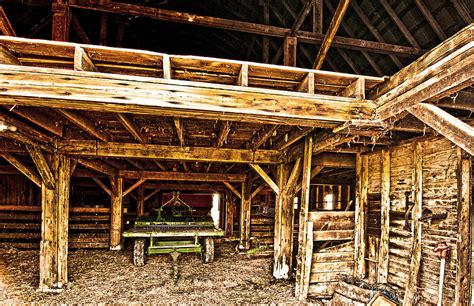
(208, 256)
(139, 252)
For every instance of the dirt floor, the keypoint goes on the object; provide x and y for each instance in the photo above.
(102, 276)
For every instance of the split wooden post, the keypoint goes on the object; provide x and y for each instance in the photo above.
(411, 289)
(140, 201)
(385, 218)
(116, 215)
(54, 228)
(229, 214)
(463, 268)
(302, 273)
(360, 235)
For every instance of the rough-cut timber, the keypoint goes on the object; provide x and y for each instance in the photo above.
(360, 230)
(116, 220)
(384, 218)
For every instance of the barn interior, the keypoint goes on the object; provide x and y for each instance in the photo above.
(331, 141)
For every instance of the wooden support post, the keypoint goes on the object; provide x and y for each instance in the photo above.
(42, 166)
(116, 215)
(61, 20)
(360, 235)
(303, 286)
(54, 228)
(289, 51)
(384, 217)
(302, 273)
(463, 248)
(140, 201)
(281, 268)
(411, 288)
(245, 208)
(229, 214)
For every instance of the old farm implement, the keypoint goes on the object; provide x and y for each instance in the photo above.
(174, 230)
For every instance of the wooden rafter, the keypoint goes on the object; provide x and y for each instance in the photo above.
(42, 166)
(462, 11)
(98, 166)
(405, 31)
(181, 176)
(331, 33)
(292, 137)
(20, 166)
(5, 25)
(39, 119)
(262, 136)
(431, 20)
(132, 127)
(447, 125)
(85, 124)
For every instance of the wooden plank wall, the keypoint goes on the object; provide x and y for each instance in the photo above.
(440, 190)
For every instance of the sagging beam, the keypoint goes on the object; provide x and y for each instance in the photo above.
(331, 33)
(241, 26)
(91, 148)
(265, 177)
(20, 166)
(233, 189)
(5, 25)
(84, 124)
(181, 176)
(447, 125)
(132, 127)
(42, 166)
(173, 98)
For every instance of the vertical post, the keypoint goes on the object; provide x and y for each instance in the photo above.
(302, 273)
(229, 214)
(60, 21)
(384, 217)
(318, 17)
(281, 268)
(54, 226)
(103, 29)
(410, 291)
(116, 215)
(362, 180)
(289, 51)
(140, 201)
(265, 39)
(245, 214)
(463, 275)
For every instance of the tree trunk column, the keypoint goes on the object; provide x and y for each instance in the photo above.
(54, 226)
(116, 214)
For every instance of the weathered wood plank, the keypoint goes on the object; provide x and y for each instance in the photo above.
(385, 218)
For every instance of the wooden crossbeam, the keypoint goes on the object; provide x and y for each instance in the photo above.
(25, 130)
(261, 136)
(292, 137)
(134, 186)
(161, 165)
(98, 166)
(84, 124)
(91, 148)
(181, 176)
(265, 177)
(20, 166)
(224, 131)
(102, 185)
(307, 84)
(447, 125)
(257, 190)
(5, 25)
(42, 166)
(331, 33)
(132, 127)
(293, 178)
(233, 189)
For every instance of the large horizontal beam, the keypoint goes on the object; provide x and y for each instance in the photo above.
(182, 176)
(241, 26)
(91, 148)
(44, 87)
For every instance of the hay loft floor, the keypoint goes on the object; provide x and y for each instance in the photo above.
(106, 277)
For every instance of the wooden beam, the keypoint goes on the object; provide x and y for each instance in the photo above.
(38, 118)
(413, 276)
(265, 39)
(401, 26)
(181, 176)
(315, 171)
(245, 211)
(243, 77)
(302, 274)
(318, 16)
(293, 178)
(102, 185)
(290, 51)
(134, 186)
(283, 228)
(292, 137)
(258, 190)
(205, 101)
(224, 131)
(447, 125)
(132, 127)
(229, 214)
(7, 58)
(178, 124)
(331, 33)
(232, 188)
(26, 170)
(82, 61)
(91, 148)
(140, 201)
(42, 166)
(265, 177)
(104, 21)
(461, 100)
(464, 236)
(307, 84)
(326, 140)
(431, 20)
(98, 166)
(5, 25)
(61, 20)
(356, 89)
(84, 124)
(259, 138)
(462, 11)
(361, 207)
(383, 257)
(151, 194)
(116, 217)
